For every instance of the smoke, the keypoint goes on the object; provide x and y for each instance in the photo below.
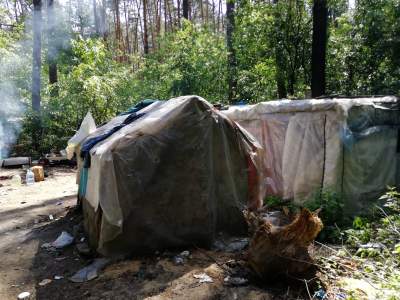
(11, 114)
(58, 25)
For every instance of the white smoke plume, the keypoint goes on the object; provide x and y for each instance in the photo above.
(11, 113)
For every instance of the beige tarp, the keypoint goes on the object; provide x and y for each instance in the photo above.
(344, 145)
(174, 177)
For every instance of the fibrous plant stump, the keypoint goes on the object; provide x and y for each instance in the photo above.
(277, 251)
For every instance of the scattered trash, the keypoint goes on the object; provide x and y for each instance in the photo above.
(60, 258)
(64, 240)
(51, 217)
(30, 177)
(178, 260)
(82, 240)
(59, 203)
(234, 245)
(23, 202)
(44, 282)
(24, 295)
(235, 281)
(203, 277)
(16, 180)
(379, 246)
(57, 277)
(46, 246)
(90, 272)
(218, 246)
(83, 248)
(320, 295)
(237, 245)
(184, 254)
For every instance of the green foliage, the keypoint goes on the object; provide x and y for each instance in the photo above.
(363, 49)
(94, 82)
(273, 201)
(273, 38)
(384, 229)
(331, 205)
(272, 42)
(191, 61)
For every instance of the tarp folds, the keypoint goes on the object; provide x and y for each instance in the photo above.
(347, 146)
(174, 177)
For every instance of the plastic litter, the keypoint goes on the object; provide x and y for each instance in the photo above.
(235, 281)
(379, 246)
(237, 245)
(320, 294)
(30, 177)
(185, 253)
(16, 180)
(90, 272)
(178, 260)
(45, 282)
(24, 295)
(203, 277)
(58, 277)
(63, 240)
(87, 127)
(51, 217)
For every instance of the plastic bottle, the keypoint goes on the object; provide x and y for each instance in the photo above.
(16, 180)
(30, 177)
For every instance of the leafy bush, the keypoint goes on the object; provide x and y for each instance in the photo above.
(331, 214)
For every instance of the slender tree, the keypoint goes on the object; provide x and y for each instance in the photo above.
(52, 43)
(145, 33)
(185, 9)
(230, 27)
(279, 60)
(96, 18)
(319, 40)
(37, 46)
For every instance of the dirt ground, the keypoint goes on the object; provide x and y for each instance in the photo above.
(33, 215)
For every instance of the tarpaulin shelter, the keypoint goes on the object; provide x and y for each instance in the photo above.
(169, 174)
(347, 146)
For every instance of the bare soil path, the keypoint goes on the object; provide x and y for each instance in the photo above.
(25, 226)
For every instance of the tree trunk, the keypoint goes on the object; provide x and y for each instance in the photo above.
(127, 21)
(179, 12)
(103, 25)
(319, 40)
(185, 9)
(145, 33)
(96, 18)
(279, 59)
(37, 46)
(230, 27)
(165, 17)
(52, 48)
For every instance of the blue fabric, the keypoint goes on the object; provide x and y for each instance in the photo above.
(142, 104)
(90, 143)
(83, 179)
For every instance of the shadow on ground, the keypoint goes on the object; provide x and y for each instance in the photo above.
(154, 277)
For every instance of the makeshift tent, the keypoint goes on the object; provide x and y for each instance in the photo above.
(347, 146)
(171, 174)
